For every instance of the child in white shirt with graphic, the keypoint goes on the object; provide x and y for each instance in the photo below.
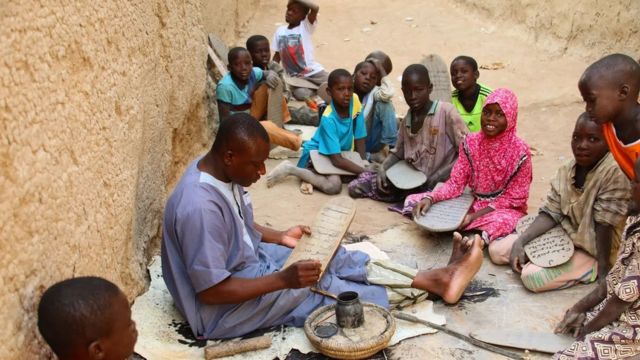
(293, 46)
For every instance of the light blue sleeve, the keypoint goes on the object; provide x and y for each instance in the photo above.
(224, 92)
(360, 129)
(328, 140)
(258, 73)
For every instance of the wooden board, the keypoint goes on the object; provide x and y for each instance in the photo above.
(323, 164)
(528, 340)
(550, 249)
(326, 232)
(217, 62)
(404, 176)
(274, 105)
(219, 47)
(440, 78)
(446, 215)
(299, 82)
(306, 130)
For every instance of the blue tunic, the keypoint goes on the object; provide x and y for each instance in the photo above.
(334, 134)
(203, 245)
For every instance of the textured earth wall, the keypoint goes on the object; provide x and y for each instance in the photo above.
(100, 104)
(226, 18)
(587, 28)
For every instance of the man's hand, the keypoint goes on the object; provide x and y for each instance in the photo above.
(301, 274)
(290, 237)
(572, 323)
(422, 207)
(272, 79)
(381, 181)
(518, 257)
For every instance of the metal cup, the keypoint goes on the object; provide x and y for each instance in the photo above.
(349, 313)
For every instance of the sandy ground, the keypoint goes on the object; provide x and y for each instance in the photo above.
(549, 104)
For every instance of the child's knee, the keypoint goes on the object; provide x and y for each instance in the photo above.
(500, 250)
(532, 278)
(302, 93)
(334, 188)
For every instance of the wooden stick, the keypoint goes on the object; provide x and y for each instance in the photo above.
(325, 293)
(229, 348)
(470, 340)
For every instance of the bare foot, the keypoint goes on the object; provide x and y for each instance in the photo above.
(306, 188)
(278, 173)
(458, 247)
(463, 270)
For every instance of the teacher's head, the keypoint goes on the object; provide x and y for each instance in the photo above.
(242, 145)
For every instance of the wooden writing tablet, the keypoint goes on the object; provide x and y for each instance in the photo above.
(446, 215)
(323, 164)
(440, 78)
(326, 233)
(550, 249)
(404, 176)
(549, 343)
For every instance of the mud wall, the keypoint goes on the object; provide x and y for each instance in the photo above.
(100, 104)
(226, 18)
(587, 28)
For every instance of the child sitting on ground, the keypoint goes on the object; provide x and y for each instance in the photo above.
(428, 139)
(605, 323)
(379, 116)
(258, 47)
(243, 90)
(610, 89)
(588, 199)
(385, 91)
(87, 318)
(468, 96)
(341, 126)
(496, 164)
(292, 44)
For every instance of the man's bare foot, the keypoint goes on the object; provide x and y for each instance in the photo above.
(279, 173)
(458, 247)
(306, 188)
(463, 270)
(451, 281)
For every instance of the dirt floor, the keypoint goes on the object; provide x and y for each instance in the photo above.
(549, 104)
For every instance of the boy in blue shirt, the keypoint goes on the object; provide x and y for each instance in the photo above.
(244, 89)
(379, 114)
(341, 126)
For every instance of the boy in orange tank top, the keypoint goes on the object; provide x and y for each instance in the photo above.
(610, 88)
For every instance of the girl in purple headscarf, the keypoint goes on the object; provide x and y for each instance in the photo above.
(496, 164)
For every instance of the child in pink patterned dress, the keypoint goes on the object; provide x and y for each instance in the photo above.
(496, 164)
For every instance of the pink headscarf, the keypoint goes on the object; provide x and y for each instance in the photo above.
(495, 160)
